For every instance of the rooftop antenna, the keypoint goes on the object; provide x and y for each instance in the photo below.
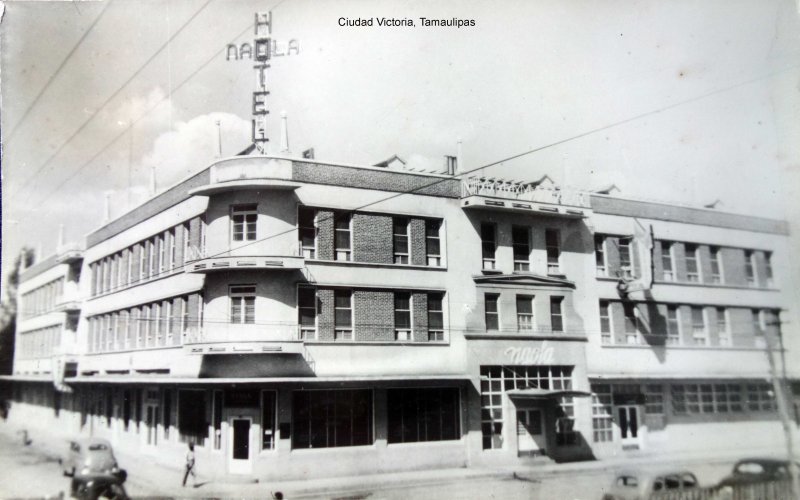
(218, 153)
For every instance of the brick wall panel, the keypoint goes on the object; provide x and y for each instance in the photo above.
(417, 247)
(658, 265)
(761, 269)
(733, 266)
(713, 332)
(741, 327)
(419, 316)
(372, 238)
(325, 234)
(194, 232)
(325, 314)
(374, 315)
(617, 322)
(705, 263)
(179, 244)
(685, 320)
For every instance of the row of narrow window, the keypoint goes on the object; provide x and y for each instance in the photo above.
(42, 299)
(637, 326)
(692, 262)
(525, 317)
(40, 343)
(521, 243)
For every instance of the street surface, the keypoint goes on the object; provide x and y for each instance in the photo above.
(34, 471)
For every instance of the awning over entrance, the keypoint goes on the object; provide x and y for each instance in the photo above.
(165, 379)
(545, 394)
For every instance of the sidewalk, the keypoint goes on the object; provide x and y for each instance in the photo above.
(149, 478)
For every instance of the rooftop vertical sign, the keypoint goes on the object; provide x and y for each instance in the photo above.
(263, 49)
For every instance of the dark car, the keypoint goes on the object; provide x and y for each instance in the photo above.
(756, 470)
(643, 484)
(94, 471)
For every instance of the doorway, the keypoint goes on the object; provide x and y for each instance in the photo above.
(530, 432)
(151, 425)
(239, 445)
(629, 426)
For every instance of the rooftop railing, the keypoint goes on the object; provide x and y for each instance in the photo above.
(524, 191)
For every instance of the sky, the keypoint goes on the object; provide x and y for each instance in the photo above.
(679, 101)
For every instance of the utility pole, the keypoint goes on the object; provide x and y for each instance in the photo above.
(779, 386)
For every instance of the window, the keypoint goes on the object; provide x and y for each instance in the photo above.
(402, 316)
(521, 237)
(768, 268)
(435, 317)
(152, 256)
(716, 266)
(524, 312)
(130, 266)
(602, 420)
(749, 267)
(699, 332)
(343, 315)
(654, 399)
(492, 318)
(722, 327)
(148, 328)
(433, 250)
(600, 255)
(307, 232)
(269, 418)
(166, 415)
(488, 244)
(692, 268)
(162, 252)
(400, 240)
(331, 418)
(673, 326)
(143, 260)
(418, 415)
(625, 267)
(758, 328)
(556, 317)
(243, 304)
(631, 324)
(172, 248)
(605, 322)
(187, 243)
(551, 238)
(156, 317)
(565, 422)
(341, 241)
(243, 222)
(307, 312)
(666, 261)
(216, 418)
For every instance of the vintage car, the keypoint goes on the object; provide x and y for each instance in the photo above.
(94, 470)
(644, 484)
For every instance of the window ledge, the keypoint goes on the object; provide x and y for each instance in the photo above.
(700, 285)
(686, 347)
(134, 284)
(374, 264)
(377, 343)
(565, 337)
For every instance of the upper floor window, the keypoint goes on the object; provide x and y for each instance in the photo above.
(757, 321)
(435, 317)
(187, 243)
(433, 249)
(400, 240)
(524, 312)
(491, 312)
(307, 312)
(521, 240)
(243, 222)
(341, 241)
(666, 261)
(625, 267)
(152, 256)
(551, 238)
(692, 267)
(600, 255)
(631, 323)
(243, 304)
(605, 322)
(343, 315)
(173, 251)
(130, 265)
(162, 253)
(673, 326)
(716, 265)
(750, 267)
(307, 232)
(699, 332)
(402, 316)
(768, 268)
(556, 315)
(722, 327)
(488, 244)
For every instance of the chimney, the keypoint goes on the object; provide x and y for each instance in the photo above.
(107, 209)
(218, 151)
(284, 133)
(459, 159)
(153, 181)
(450, 164)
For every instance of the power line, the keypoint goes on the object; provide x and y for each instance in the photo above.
(110, 98)
(56, 73)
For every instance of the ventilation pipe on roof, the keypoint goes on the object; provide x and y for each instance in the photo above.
(284, 133)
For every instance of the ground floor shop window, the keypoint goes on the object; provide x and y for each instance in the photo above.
(689, 399)
(192, 425)
(269, 415)
(416, 415)
(602, 421)
(324, 419)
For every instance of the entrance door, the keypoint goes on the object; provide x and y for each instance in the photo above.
(530, 432)
(239, 445)
(628, 420)
(151, 425)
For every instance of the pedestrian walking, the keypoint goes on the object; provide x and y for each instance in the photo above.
(190, 466)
